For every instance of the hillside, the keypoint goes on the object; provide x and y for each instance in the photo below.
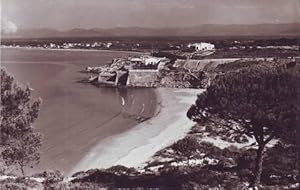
(288, 29)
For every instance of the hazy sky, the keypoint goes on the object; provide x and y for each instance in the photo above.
(66, 14)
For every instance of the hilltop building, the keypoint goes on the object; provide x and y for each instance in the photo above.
(202, 46)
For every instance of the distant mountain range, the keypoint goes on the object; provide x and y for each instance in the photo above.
(291, 29)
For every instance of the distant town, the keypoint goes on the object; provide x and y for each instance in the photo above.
(184, 47)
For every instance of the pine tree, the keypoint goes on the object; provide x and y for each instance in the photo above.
(19, 142)
(260, 102)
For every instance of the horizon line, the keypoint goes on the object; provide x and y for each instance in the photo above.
(153, 27)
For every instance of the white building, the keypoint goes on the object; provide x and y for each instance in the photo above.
(109, 44)
(136, 60)
(149, 61)
(146, 60)
(152, 60)
(52, 45)
(202, 46)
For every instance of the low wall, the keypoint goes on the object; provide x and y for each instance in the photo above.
(201, 64)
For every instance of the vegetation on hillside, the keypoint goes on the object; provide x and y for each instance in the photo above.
(260, 102)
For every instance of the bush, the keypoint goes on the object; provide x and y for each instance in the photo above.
(20, 183)
(52, 179)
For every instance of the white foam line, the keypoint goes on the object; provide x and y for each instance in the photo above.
(143, 109)
(123, 101)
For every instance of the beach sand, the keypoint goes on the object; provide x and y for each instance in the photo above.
(136, 146)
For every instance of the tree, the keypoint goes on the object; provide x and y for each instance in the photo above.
(19, 143)
(186, 147)
(260, 101)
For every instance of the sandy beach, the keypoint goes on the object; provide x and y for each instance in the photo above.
(136, 146)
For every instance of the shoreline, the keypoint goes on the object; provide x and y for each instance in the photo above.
(80, 50)
(76, 110)
(136, 146)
